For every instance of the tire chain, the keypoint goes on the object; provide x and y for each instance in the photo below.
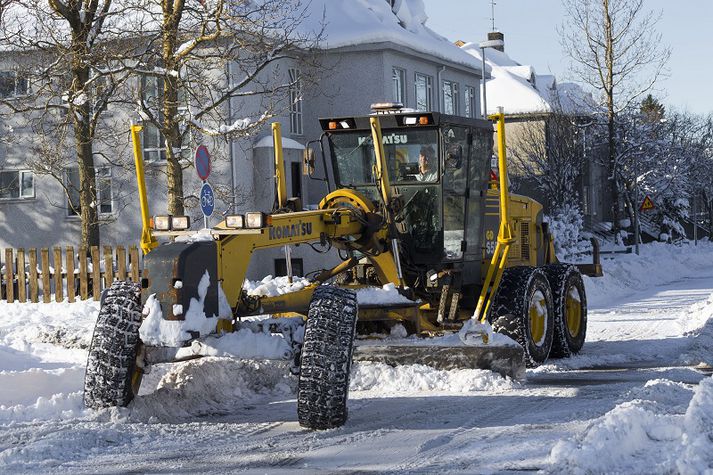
(112, 353)
(326, 358)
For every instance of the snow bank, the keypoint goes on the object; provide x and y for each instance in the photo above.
(388, 381)
(645, 436)
(658, 264)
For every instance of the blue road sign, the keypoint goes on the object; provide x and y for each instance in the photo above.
(207, 200)
(202, 162)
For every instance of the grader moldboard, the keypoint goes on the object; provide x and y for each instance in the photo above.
(415, 206)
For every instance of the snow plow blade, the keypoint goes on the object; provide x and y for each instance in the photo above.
(506, 360)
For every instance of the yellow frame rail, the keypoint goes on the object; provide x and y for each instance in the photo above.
(505, 237)
(148, 241)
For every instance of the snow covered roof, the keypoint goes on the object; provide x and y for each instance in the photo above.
(359, 22)
(518, 89)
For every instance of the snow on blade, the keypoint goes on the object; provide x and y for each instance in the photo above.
(389, 381)
(244, 344)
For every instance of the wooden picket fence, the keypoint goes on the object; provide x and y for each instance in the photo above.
(54, 274)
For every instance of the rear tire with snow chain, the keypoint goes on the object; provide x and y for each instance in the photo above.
(570, 305)
(522, 309)
(112, 377)
(326, 358)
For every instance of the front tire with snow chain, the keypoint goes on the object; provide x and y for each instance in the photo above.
(522, 310)
(326, 358)
(570, 305)
(112, 377)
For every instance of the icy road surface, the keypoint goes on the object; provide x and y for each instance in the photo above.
(635, 401)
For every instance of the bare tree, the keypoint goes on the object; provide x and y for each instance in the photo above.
(65, 54)
(548, 153)
(615, 49)
(189, 42)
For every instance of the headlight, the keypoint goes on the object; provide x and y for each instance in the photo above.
(255, 220)
(162, 223)
(235, 221)
(180, 223)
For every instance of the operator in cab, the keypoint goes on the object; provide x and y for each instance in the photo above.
(427, 167)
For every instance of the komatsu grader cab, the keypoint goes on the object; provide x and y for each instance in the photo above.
(417, 215)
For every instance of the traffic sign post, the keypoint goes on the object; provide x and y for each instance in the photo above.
(207, 199)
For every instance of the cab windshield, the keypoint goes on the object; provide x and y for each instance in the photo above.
(411, 156)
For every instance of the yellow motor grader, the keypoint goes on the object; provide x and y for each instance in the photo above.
(415, 209)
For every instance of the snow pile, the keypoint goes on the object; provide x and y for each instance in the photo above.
(389, 381)
(645, 436)
(697, 454)
(210, 386)
(271, 286)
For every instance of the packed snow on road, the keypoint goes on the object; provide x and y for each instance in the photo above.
(638, 399)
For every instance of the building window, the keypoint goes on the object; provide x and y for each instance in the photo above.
(297, 267)
(399, 80)
(296, 179)
(295, 102)
(153, 142)
(450, 97)
(16, 184)
(12, 84)
(424, 92)
(104, 192)
(470, 102)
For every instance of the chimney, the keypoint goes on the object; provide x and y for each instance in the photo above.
(496, 35)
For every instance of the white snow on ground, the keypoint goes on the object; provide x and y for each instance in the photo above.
(650, 316)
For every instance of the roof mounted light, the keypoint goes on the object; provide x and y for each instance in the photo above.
(386, 107)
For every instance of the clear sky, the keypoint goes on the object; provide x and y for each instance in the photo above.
(530, 28)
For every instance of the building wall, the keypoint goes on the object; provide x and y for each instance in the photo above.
(351, 79)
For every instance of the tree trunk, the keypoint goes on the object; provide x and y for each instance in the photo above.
(80, 111)
(611, 116)
(170, 124)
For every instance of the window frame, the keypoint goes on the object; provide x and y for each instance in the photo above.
(296, 101)
(452, 87)
(17, 78)
(157, 155)
(429, 91)
(70, 210)
(470, 103)
(398, 80)
(20, 185)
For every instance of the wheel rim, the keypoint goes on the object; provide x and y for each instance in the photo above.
(538, 317)
(573, 311)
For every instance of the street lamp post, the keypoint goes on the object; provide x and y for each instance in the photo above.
(482, 45)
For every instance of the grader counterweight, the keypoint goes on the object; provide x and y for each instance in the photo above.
(414, 212)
